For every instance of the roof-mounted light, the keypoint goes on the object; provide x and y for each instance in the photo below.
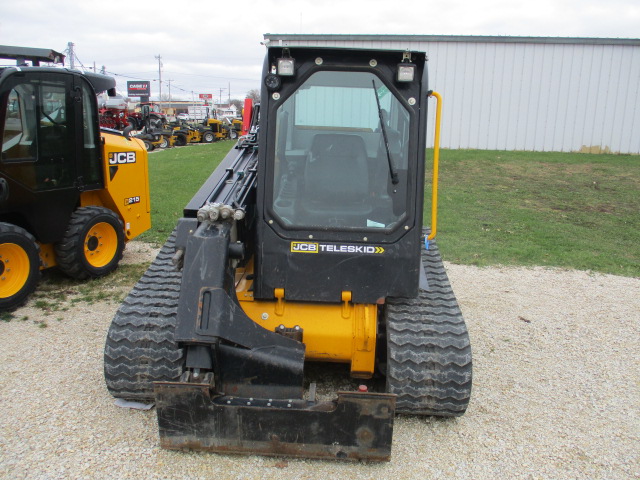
(286, 67)
(286, 64)
(406, 69)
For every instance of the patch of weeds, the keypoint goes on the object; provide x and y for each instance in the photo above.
(91, 294)
(48, 306)
(7, 316)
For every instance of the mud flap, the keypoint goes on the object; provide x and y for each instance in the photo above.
(356, 426)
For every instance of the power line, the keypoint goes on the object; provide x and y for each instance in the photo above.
(212, 76)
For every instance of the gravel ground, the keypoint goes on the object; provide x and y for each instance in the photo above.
(556, 393)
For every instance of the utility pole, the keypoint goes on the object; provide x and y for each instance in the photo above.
(169, 82)
(71, 55)
(159, 58)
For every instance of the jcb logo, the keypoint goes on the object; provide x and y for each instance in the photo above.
(120, 158)
(304, 247)
(131, 200)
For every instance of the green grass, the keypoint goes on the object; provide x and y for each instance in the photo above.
(175, 175)
(554, 209)
(510, 208)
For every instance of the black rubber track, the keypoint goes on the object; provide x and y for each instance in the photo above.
(428, 348)
(140, 347)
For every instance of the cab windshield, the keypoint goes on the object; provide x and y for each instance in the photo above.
(341, 154)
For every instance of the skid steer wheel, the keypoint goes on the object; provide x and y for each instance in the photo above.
(208, 137)
(19, 266)
(92, 245)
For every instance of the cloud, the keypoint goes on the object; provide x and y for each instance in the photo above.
(207, 46)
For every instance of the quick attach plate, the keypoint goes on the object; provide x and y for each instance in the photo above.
(355, 426)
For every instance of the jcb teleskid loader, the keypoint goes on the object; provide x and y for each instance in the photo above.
(306, 243)
(71, 194)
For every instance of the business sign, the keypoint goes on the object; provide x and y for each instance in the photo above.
(206, 96)
(138, 88)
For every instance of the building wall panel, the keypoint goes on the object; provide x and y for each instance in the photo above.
(523, 93)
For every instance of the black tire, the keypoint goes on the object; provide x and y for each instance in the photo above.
(19, 266)
(92, 245)
(134, 123)
(181, 140)
(155, 121)
(140, 347)
(208, 137)
(428, 349)
(148, 145)
(164, 143)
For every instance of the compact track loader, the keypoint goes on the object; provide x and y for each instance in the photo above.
(71, 194)
(305, 244)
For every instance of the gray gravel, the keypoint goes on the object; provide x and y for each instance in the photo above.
(556, 394)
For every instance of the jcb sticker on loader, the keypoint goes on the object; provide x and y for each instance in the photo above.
(304, 247)
(120, 158)
(314, 247)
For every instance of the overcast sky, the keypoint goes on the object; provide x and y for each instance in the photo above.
(211, 47)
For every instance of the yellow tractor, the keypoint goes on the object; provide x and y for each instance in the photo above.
(71, 194)
(222, 129)
(306, 244)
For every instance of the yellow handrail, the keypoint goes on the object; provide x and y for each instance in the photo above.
(436, 163)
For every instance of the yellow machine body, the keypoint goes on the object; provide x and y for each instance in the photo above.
(125, 192)
(341, 333)
(218, 128)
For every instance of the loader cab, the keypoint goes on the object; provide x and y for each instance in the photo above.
(342, 159)
(331, 169)
(50, 147)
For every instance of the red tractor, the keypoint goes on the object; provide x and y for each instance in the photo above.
(157, 119)
(114, 113)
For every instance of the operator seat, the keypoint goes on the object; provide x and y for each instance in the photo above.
(337, 181)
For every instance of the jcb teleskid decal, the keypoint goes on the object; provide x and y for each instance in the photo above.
(122, 158)
(315, 247)
(131, 200)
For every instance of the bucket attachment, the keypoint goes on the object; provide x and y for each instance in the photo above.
(355, 426)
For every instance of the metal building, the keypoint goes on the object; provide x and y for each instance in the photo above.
(523, 93)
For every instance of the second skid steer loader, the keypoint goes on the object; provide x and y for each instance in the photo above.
(305, 244)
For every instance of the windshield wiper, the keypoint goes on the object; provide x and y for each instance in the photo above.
(392, 168)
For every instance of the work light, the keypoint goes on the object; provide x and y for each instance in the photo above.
(286, 67)
(406, 72)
